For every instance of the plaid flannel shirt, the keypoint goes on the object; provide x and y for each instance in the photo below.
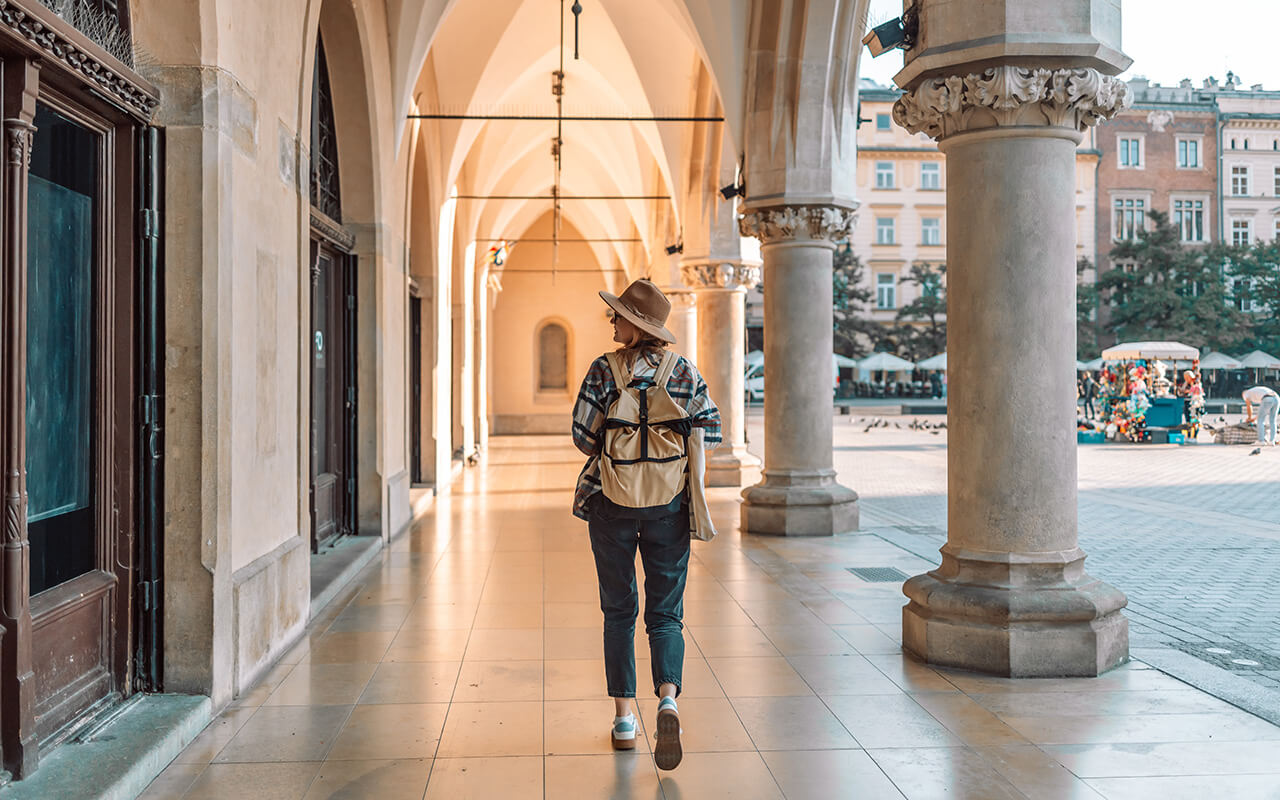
(599, 391)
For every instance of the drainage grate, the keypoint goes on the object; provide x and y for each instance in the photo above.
(922, 530)
(1229, 655)
(879, 574)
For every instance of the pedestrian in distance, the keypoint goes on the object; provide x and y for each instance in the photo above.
(642, 417)
(1268, 403)
(1090, 389)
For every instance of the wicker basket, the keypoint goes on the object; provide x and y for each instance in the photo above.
(1240, 433)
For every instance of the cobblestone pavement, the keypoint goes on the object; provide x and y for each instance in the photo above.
(1190, 533)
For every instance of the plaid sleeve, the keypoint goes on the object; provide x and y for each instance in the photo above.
(688, 388)
(589, 410)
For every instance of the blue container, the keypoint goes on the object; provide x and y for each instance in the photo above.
(1090, 437)
(1177, 438)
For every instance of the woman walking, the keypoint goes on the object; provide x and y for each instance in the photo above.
(636, 411)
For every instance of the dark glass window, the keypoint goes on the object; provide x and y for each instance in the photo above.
(62, 207)
(326, 192)
(553, 357)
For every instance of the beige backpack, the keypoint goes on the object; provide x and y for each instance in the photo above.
(644, 459)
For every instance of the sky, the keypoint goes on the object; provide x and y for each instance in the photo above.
(1168, 40)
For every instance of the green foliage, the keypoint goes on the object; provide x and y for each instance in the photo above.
(1170, 292)
(1253, 279)
(921, 341)
(1086, 319)
(853, 329)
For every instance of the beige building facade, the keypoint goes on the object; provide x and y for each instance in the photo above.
(338, 343)
(903, 217)
(1249, 124)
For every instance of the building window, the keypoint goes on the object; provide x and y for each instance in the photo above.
(884, 174)
(884, 230)
(1233, 144)
(1241, 232)
(931, 230)
(1130, 218)
(882, 122)
(1188, 217)
(553, 358)
(1240, 181)
(1277, 229)
(1276, 175)
(1130, 151)
(1189, 153)
(326, 192)
(886, 291)
(931, 175)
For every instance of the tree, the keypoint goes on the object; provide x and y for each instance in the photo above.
(1164, 290)
(1253, 280)
(929, 306)
(853, 329)
(1086, 317)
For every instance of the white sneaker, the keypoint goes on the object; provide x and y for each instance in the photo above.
(623, 733)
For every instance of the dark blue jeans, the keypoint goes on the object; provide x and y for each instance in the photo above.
(664, 551)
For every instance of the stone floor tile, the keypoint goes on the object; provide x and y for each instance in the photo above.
(1179, 758)
(509, 615)
(322, 685)
(429, 645)
(758, 677)
(286, 733)
(493, 681)
(1231, 726)
(880, 721)
(719, 776)
(381, 779)
(206, 746)
(709, 724)
(827, 774)
(832, 675)
(1188, 787)
(630, 775)
(970, 722)
(867, 639)
(943, 773)
(507, 777)
(400, 731)
(173, 781)
(734, 641)
(492, 729)
(503, 644)
(582, 727)
(350, 648)
(791, 723)
(408, 682)
(283, 781)
(1035, 773)
(1043, 704)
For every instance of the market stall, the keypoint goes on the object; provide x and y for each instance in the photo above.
(1141, 400)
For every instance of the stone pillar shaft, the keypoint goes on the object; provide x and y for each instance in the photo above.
(1012, 597)
(799, 495)
(721, 287)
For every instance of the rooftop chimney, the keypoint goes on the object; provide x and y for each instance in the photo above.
(1257, 87)
(1185, 83)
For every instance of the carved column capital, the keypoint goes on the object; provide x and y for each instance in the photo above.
(720, 274)
(771, 224)
(17, 140)
(1010, 95)
(681, 297)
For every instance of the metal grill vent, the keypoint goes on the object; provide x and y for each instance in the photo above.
(879, 574)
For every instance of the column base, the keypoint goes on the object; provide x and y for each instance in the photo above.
(799, 503)
(732, 466)
(1017, 615)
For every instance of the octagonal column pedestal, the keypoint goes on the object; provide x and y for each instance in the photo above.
(721, 287)
(1012, 597)
(799, 495)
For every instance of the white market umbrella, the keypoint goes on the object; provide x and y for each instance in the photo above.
(1090, 366)
(884, 362)
(755, 357)
(1258, 360)
(1217, 360)
(844, 362)
(1165, 351)
(934, 362)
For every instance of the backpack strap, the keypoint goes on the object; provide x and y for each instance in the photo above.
(619, 377)
(665, 369)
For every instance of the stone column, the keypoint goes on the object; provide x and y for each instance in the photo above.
(799, 495)
(683, 321)
(1012, 596)
(721, 287)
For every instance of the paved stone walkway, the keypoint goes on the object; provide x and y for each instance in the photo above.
(1191, 534)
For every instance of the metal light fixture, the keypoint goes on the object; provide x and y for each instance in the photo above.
(678, 247)
(732, 190)
(896, 33)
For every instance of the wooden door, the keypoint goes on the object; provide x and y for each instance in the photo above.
(78, 426)
(332, 395)
(415, 389)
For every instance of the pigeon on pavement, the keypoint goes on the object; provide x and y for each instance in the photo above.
(1255, 451)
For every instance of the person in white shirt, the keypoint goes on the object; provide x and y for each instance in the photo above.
(1268, 403)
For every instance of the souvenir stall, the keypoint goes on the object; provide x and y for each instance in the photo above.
(1150, 392)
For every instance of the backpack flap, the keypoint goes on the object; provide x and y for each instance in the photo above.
(643, 460)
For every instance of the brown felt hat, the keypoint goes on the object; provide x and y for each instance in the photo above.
(644, 305)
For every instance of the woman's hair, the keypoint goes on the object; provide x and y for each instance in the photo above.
(643, 346)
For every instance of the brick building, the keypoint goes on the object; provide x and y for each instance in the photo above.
(1160, 154)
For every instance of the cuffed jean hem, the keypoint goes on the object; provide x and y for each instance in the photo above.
(658, 686)
(622, 695)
